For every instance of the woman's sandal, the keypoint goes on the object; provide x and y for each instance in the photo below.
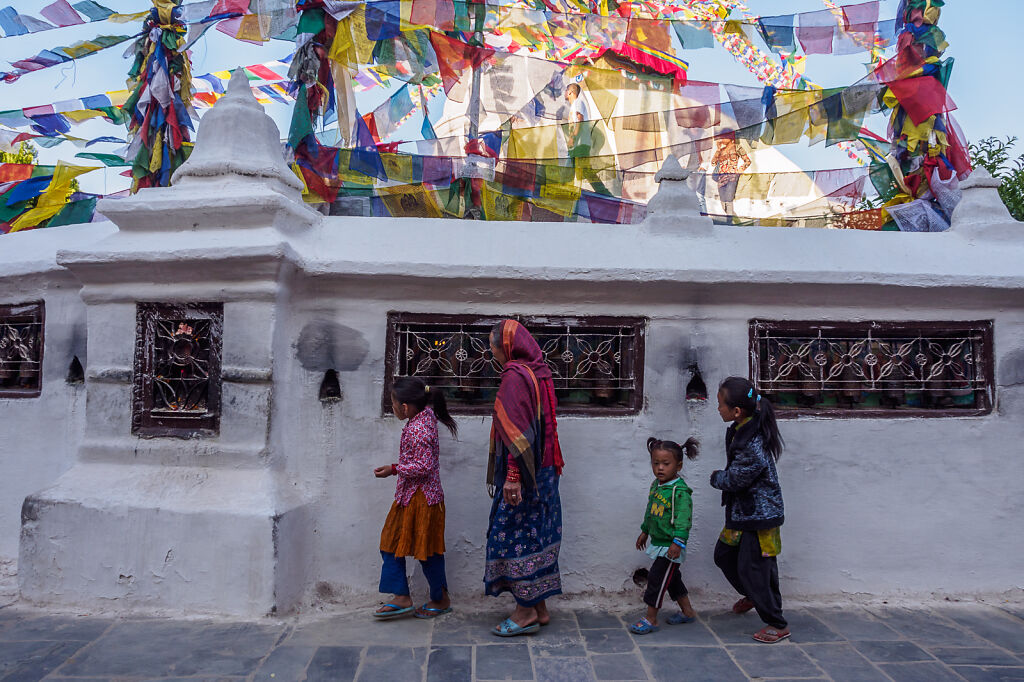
(679, 619)
(643, 627)
(770, 635)
(509, 628)
(742, 606)
(430, 612)
(398, 612)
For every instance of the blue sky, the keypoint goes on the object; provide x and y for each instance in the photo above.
(986, 83)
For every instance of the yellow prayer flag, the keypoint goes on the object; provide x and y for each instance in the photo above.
(119, 18)
(53, 198)
(118, 97)
(82, 114)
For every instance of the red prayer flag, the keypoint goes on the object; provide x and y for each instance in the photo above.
(437, 13)
(263, 72)
(62, 14)
(230, 6)
(10, 172)
(921, 97)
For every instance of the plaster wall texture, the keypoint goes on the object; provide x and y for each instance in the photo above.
(280, 508)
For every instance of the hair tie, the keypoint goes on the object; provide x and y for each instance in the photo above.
(426, 388)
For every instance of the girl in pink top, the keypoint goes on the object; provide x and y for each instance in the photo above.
(415, 524)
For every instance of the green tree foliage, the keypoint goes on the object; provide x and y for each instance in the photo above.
(27, 153)
(995, 156)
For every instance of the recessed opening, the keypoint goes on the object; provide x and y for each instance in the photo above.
(640, 577)
(76, 373)
(696, 389)
(330, 389)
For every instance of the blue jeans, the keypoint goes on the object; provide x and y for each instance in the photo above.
(393, 579)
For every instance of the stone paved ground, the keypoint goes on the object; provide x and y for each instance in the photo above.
(850, 644)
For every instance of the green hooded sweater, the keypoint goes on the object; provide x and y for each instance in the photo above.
(669, 512)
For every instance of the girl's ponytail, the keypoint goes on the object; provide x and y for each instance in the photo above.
(416, 392)
(740, 392)
(440, 405)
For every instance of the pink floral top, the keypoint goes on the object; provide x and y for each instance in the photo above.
(418, 466)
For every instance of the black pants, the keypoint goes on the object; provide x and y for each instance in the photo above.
(663, 577)
(754, 576)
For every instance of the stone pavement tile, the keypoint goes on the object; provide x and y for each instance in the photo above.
(691, 663)
(52, 628)
(892, 652)
(183, 648)
(618, 667)
(392, 663)
(285, 663)
(734, 629)
(450, 664)
(854, 622)
(592, 620)
(459, 628)
(561, 637)
(33, 660)
(544, 649)
(781, 660)
(990, 623)
(233, 678)
(333, 663)
(1015, 610)
(989, 673)
(504, 662)
(919, 672)
(957, 655)
(564, 670)
(924, 626)
(691, 634)
(842, 662)
(610, 641)
(358, 629)
(807, 628)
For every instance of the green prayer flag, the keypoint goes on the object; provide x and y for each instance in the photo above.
(301, 125)
(74, 213)
(106, 159)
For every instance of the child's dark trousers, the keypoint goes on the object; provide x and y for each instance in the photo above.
(393, 579)
(664, 577)
(754, 576)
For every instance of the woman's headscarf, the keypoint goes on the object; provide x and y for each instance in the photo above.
(524, 424)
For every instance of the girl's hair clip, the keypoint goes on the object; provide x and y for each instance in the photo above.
(750, 393)
(426, 389)
(758, 398)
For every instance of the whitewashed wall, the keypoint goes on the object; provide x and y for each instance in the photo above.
(281, 509)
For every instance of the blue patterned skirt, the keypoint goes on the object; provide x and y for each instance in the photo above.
(523, 542)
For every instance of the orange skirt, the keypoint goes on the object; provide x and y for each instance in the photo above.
(416, 530)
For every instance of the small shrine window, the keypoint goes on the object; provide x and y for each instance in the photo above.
(21, 350)
(874, 369)
(596, 362)
(177, 381)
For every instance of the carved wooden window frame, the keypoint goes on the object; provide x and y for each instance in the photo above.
(632, 335)
(975, 356)
(15, 321)
(198, 323)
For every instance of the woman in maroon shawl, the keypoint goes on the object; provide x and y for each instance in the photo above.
(525, 529)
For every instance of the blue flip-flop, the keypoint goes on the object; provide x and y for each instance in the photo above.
(643, 627)
(679, 619)
(397, 613)
(509, 628)
(429, 612)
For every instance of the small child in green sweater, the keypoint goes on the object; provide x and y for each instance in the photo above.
(667, 524)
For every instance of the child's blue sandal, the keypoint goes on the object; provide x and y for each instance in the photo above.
(429, 612)
(643, 627)
(398, 612)
(509, 628)
(679, 619)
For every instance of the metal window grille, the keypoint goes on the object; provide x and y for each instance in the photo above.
(596, 362)
(21, 350)
(177, 369)
(874, 369)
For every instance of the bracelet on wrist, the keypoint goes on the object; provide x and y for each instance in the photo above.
(512, 476)
(680, 543)
(394, 469)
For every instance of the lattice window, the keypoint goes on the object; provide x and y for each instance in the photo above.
(873, 369)
(597, 362)
(21, 350)
(177, 369)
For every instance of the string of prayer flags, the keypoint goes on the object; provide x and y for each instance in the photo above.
(159, 106)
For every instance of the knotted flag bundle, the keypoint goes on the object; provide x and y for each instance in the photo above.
(160, 104)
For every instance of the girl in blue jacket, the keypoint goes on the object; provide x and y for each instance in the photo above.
(752, 498)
